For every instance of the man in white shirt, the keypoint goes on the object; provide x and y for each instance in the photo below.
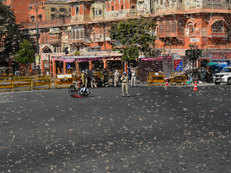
(133, 78)
(116, 78)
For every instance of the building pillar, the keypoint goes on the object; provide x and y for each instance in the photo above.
(64, 67)
(104, 63)
(50, 64)
(42, 65)
(77, 67)
(90, 65)
(54, 68)
(126, 67)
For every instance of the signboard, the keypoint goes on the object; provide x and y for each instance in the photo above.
(61, 76)
(37, 59)
(54, 30)
(193, 40)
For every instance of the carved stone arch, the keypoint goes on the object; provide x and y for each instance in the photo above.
(45, 47)
(216, 19)
(190, 21)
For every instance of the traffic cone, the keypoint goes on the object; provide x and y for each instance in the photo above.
(166, 84)
(195, 86)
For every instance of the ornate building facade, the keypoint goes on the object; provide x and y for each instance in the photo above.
(84, 30)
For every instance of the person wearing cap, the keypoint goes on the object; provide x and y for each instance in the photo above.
(124, 80)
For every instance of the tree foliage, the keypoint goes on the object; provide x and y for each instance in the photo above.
(26, 53)
(10, 34)
(133, 37)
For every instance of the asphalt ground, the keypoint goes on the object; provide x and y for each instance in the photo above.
(152, 131)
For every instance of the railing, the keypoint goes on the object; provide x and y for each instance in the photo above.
(49, 23)
(24, 83)
(33, 83)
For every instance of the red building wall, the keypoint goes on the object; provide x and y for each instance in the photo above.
(41, 11)
(20, 9)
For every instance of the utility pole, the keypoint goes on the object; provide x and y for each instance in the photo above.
(36, 6)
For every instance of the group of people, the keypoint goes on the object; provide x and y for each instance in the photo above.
(131, 77)
(125, 79)
(87, 79)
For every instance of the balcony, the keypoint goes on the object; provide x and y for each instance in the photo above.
(54, 39)
(170, 29)
(218, 30)
(80, 41)
(132, 13)
(215, 35)
(48, 24)
(54, 31)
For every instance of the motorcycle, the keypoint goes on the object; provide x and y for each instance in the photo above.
(75, 89)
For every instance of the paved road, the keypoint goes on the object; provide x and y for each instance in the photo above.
(153, 131)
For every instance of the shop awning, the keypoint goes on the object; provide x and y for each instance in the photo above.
(160, 58)
(212, 63)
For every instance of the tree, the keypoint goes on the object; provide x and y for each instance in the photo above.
(193, 54)
(133, 38)
(10, 34)
(26, 54)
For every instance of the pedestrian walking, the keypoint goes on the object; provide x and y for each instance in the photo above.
(93, 83)
(116, 78)
(124, 80)
(133, 78)
(86, 79)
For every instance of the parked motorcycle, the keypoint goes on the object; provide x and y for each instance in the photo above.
(76, 90)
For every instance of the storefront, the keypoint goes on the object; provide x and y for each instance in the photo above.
(70, 64)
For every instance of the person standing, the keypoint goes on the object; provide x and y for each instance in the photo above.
(133, 78)
(129, 74)
(86, 79)
(83, 78)
(93, 83)
(116, 78)
(124, 80)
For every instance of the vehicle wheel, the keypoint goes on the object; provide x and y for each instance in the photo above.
(229, 81)
(71, 90)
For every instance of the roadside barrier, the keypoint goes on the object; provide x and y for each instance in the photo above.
(6, 84)
(178, 80)
(32, 83)
(63, 81)
(156, 80)
(41, 83)
(25, 84)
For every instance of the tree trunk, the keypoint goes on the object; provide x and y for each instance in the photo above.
(27, 69)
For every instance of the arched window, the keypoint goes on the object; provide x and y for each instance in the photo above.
(40, 17)
(32, 18)
(77, 10)
(100, 12)
(62, 9)
(46, 50)
(53, 9)
(190, 28)
(218, 26)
